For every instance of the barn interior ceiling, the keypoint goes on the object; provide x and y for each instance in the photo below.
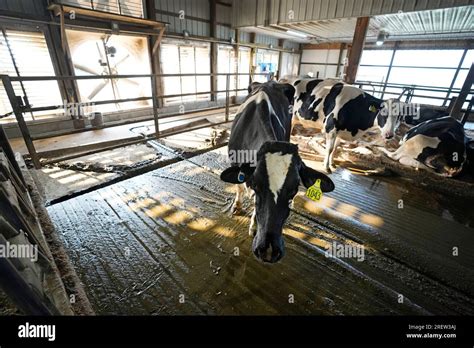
(446, 23)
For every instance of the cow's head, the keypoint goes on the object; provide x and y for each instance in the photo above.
(275, 180)
(389, 116)
(287, 89)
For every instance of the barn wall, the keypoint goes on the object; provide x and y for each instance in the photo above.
(323, 61)
(25, 7)
(196, 20)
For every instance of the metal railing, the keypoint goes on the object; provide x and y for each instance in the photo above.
(19, 109)
(412, 91)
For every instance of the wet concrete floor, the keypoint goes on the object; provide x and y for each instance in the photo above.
(161, 244)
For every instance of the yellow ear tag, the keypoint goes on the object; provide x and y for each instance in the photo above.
(372, 108)
(314, 192)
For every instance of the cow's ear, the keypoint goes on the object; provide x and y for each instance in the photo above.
(289, 91)
(252, 86)
(309, 176)
(237, 175)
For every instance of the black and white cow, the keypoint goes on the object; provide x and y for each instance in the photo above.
(263, 160)
(341, 111)
(424, 113)
(437, 145)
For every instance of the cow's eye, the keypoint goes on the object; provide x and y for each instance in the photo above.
(290, 202)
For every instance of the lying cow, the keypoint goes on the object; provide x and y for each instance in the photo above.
(437, 145)
(414, 114)
(264, 160)
(342, 111)
(424, 113)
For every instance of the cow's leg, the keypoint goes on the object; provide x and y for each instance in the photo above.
(331, 156)
(330, 142)
(395, 155)
(411, 162)
(239, 194)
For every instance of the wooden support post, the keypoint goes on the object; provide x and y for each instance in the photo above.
(156, 82)
(465, 89)
(153, 45)
(357, 47)
(7, 84)
(63, 65)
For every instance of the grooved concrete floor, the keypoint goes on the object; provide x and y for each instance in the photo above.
(160, 243)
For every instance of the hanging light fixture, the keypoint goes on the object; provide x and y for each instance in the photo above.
(381, 37)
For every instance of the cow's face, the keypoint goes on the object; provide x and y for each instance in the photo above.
(388, 117)
(275, 181)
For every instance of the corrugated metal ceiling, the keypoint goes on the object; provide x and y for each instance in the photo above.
(457, 22)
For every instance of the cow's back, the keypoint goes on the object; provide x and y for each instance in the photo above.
(264, 116)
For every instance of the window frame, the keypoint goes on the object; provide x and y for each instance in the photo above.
(8, 24)
(456, 68)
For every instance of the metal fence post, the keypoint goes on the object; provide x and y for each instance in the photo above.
(7, 84)
(155, 105)
(227, 97)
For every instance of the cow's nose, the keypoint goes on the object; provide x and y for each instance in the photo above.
(261, 247)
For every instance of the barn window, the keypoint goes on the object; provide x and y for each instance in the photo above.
(25, 53)
(179, 58)
(427, 67)
(133, 8)
(266, 62)
(289, 64)
(374, 66)
(227, 64)
(243, 68)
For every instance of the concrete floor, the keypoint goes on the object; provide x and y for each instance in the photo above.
(160, 243)
(69, 177)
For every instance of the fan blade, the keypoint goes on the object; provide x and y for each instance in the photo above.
(100, 52)
(98, 89)
(131, 81)
(85, 69)
(121, 60)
